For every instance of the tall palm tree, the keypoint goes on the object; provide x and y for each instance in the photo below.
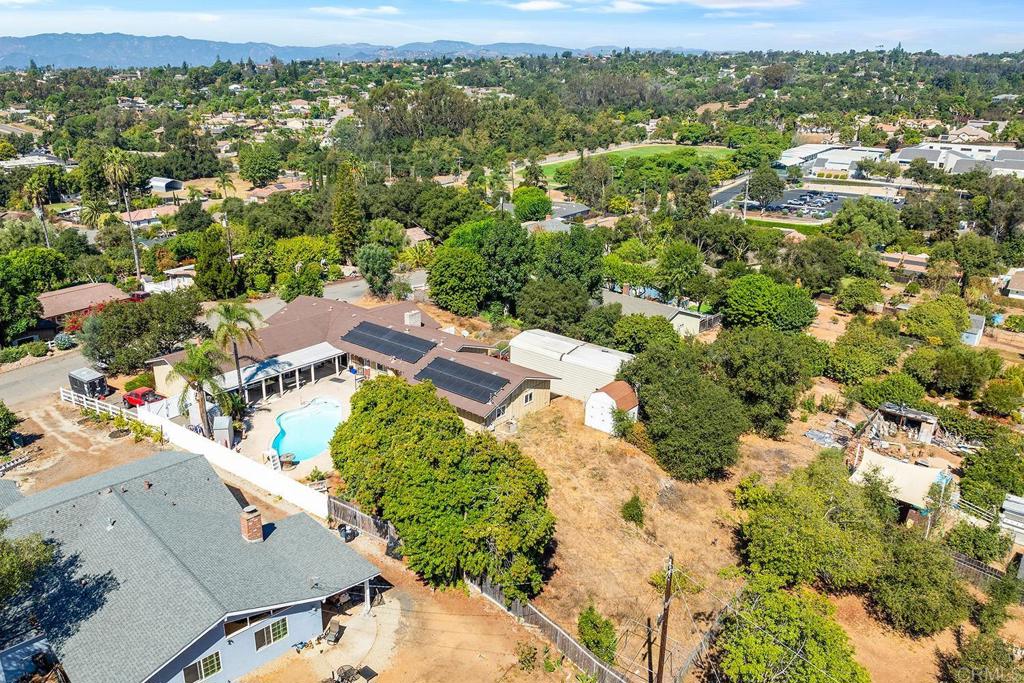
(236, 323)
(199, 370)
(93, 209)
(117, 169)
(224, 183)
(36, 193)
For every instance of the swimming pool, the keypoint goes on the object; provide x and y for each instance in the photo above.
(306, 431)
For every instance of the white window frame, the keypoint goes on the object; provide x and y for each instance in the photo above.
(269, 628)
(500, 411)
(528, 398)
(201, 663)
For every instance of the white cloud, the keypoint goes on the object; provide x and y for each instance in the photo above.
(731, 4)
(357, 11)
(17, 3)
(726, 14)
(537, 5)
(624, 7)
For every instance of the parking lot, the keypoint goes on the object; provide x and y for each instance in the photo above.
(814, 204)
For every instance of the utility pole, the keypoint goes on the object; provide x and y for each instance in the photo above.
(131, 232)
(746, 196)
(664, 621)
(650, 651)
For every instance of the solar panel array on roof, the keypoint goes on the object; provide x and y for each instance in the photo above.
(463, 380)
(388, 341)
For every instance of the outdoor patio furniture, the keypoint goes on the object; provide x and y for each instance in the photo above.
(288, 461)
(346, 674)
(367, 673)
(334, 632)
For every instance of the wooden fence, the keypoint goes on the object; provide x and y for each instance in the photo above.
(565, 643)
(89, 403)
(341, 511)
(698, 654)
(583, 658)
(977, 573)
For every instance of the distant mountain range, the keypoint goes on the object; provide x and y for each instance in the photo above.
(119, 50)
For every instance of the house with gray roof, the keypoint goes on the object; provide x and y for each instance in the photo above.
(687, 322)
(160, 576)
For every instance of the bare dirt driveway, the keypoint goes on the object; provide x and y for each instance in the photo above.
(63, 450)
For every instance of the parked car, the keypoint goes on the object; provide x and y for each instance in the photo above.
(140, 397)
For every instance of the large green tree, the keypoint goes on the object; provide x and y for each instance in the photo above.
(346, 213)
(551, 304)
(20, 559)
(508, 250)
(458, 280)
(765, 186)
(376, 263)
(461, 503)
(781, 635)
(693, 421)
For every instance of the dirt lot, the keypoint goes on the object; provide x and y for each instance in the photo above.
(830, 323)
(602, 558)
(877, 647)
(63, 450)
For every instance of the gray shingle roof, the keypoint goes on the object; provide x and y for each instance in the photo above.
(141, 573)
(9, 493)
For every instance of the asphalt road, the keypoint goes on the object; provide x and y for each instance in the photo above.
(28, 385)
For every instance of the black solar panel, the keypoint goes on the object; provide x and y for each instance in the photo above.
(463, 380)
(389, 342)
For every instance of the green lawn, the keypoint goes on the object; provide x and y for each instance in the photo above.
(802, 228)
(649, 151)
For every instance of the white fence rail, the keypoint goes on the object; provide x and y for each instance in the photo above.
(90, 403)
(258, 475)
(251, 471)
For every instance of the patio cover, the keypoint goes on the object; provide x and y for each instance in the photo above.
(910, 482)
(279, 365)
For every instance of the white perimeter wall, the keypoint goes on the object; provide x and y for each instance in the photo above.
(258, 475)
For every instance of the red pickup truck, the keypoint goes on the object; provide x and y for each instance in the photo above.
(140, 397)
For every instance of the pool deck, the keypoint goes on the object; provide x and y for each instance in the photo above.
(258, 439)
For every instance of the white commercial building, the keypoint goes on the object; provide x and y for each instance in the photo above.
(845, 160)
(959, 158)
(803, 155)
(579, 368)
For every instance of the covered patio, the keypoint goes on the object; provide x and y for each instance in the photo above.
(278, 374)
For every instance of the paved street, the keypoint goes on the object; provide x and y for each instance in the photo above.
(30, 384)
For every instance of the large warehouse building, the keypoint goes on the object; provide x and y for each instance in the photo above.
(579, 368)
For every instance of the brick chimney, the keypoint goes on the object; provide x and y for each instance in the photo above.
(252, 524)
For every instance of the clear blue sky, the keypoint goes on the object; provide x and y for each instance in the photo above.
(947, 26)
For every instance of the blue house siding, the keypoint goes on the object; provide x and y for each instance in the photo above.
(238, 655)
(16, 661)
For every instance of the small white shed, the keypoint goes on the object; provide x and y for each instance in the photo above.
(580, 368)
(602, 403)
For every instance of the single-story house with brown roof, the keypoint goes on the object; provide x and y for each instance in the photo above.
(313, 338)
(61, 303)
(261, 194)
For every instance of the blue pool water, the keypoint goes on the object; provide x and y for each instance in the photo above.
(306, 431)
